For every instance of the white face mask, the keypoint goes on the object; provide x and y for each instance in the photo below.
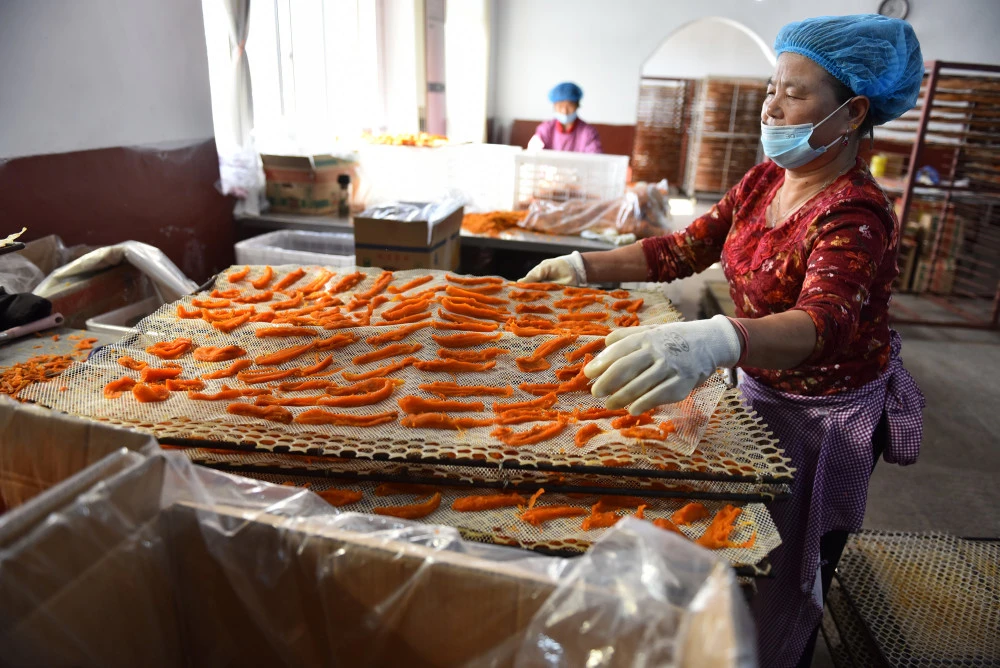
(788, 145)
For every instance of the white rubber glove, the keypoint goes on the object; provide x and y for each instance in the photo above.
(564, 270)
(644, 367)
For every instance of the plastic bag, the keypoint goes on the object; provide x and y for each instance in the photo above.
(18, 274)
(171, 560)
(642, 211)
(170, 282)
(432, 212)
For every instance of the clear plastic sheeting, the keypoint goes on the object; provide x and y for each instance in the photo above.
(170, 282)
(432, 212)
(642, 211)
(164, 563)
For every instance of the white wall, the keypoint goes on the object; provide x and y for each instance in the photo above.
(602, 45)
(733, 53)
(101, 73)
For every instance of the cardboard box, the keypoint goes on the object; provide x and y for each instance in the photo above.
(152, 569)
(307, 184)
(397, 244)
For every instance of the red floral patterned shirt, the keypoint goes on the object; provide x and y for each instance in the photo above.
(834, 258)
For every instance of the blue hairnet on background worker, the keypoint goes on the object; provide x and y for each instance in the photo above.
(566, 131)
(808, 242)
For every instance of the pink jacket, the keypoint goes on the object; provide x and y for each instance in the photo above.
(581, 138)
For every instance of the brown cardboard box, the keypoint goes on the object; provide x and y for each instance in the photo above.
(397, 245)
(152, 569)
(306, 184)
(82, 297)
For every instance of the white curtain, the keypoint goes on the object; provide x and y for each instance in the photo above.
(467, 63)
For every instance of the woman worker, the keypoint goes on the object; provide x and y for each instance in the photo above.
(808, 243)
(566, 131)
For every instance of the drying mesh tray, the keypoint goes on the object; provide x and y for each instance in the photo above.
(926, 599)
(478, 477)
(742, 444)
(503, 527)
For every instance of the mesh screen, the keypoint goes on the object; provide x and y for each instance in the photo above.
(733, 441)
(503, 526)
(846, 637)
(926, 599)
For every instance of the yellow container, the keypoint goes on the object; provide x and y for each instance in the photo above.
(878, 165)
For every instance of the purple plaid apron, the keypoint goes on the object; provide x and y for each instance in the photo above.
(830, 442)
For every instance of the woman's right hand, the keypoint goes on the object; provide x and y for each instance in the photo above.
(564, 270)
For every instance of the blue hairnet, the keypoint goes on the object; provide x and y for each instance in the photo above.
(566, 91)
(873, 55)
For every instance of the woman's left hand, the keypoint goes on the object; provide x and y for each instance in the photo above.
(643, 367)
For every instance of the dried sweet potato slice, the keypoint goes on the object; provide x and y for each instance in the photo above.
(577, 303)
(223, 395)
(152, 374)
(290, 279)
(360, 399)
(483, 313)
(528, 295)
(380, 284)
(445, 390)
(347, 282)
(599, 520)
(578, 383)
(300, 385)
(412, 404)
(478, 502)
(170, 350)
(474, 280)
(184, 314)
(522, 415)
(178, 385)
(585, 433)
(453, 291)
(532, 309)
(271, 413)
(536, 434)
(597, 413)
(381, 371)
(396, 334)
(716, 536)
(227, 326)
(589, 316)
(239, 275)
(321, 416)
(666, 524)
(464, 324)
(443, 421)
(131, 364)
(146, 393)
(393, 350)
(266, 332)
(484, 355)
(284, 355)
(409, 285)
(413, 511)
(538, 516)
(230, 371)
(339, 497)
(536, 361)
(453, 366)
(416, 317)
(629, 305)
(210, 303)
(406, 309)
(265, 376)
(586, 349)
(539, 389)
(690, 512)
(546, 401)
(336, 341)
(465, 339)
(627, 320)
(317, 367)
(217, 354)
(116, 388)
(297, 299)
(626, 421)
(264, 279)
(318, 281)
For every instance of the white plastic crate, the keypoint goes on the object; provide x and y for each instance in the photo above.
(559, 176)
(329, 249)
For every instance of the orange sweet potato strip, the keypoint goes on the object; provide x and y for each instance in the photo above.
(630, 305)
(536, 361)
(406, 308)
(666, 524)
(339, 497)
(538, 516)
(539, 389)
(317, 367)
(474, 280)
(546, 401)
(210, 303)
(642, 433)
(453, 291)
(131, 364)
(577, 303)
(361, 399)
(465, 340)
(320, 416)
(284, 355)
(145, 393)
(536, 434)
(347, 282)
(265, 376)
(413, 511)
(477, 502)
(597, 413)
(522, 415)
(393, 350)
(574, 291)
(226, 394)
(336, 341)
(116, 388)
(627, 320)
(482, 313)
(528, 295)
(472, 303)
(317, 283)
(232, 293)
(297, 299)
(484, 355)
(381, 371)
(265, 332)
(690, 512)
(383, 280)
(152, 374)
(217, 354)
(453, 366)
(717, 534)
(178, 385)
(585, 433)
(396, 335)
(599, 520)
(464, 325)
(416, 317)
(240, 275)
(230, 371)
(409, 285)
(290, 279)
(271, 413)
(263, 316)
(255, 298)
(170, 350)
(298, 386)
(584, 350)
(412, 404)
(579, 317)
(579, 382)
(369, 385)
(227, 326)
(445, 390)
(568, 372)
(184, 314)
(626, 421)
(268, 400)
(443, 421)
(532, 309)
(264, 279)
